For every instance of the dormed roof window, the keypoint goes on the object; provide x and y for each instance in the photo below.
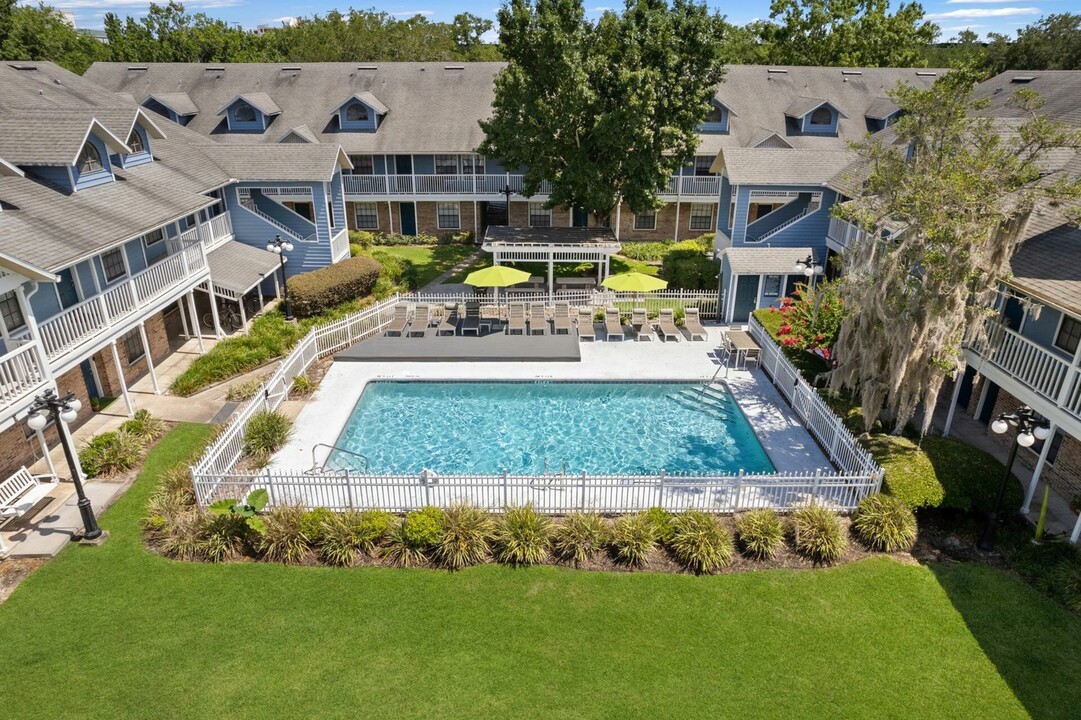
(361, 111)
(90, 160)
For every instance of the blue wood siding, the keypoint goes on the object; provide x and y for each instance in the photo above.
(98, 177)
(44, 302)
(337, 202)
(85, 272)
(55, 175)
(716, 127)
(253, 230)
(136, 158)
(235, 125)
(134, 251)
(831, 129)
(368, 125)
(808, 232)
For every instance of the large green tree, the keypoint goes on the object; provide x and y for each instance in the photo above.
(1052, 43)
(603, 111)
(38, 32)
(961, 186)
(169, 34)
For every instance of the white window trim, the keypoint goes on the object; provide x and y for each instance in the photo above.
(690, 218)
(438, 217)
(127, 267)
(530, 213)
(356, 222)
(1063, 317)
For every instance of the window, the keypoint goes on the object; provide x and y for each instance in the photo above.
(645, 220)
(191, 221)
(539, 216)
(362, 164)
(135, 142)
(244, 113)
(11, 312)
(153, 237)
(89, 160)
(366, 216)
(133, 346)
(822, 116)
(702, 164)
(772, 286)
(716, 114)
(446, 164)
(472, 164)
(113, 263)
(448, 215)
(1069, 333)
(357, 112)
(701, 216)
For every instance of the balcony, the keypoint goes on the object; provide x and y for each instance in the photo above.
(494, 185)
(1030, 372)
(210, 234)
(84, 327)
(841, 233)
(693, 186)
(23, 372)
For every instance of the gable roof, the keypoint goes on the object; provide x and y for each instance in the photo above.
(1045, 266)
(763, 135)
(288, 162)
(178, 102)
(717, 99)
(803, 105)
(9, 170)
(1058, 89)
(51, 138)
(765, 260)
(881, 109)
(301, 131)
(258, 100)
(777, 166)
(368, 99)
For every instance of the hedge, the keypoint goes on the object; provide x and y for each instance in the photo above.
(314, 292)
(688, 267)
(365, 238)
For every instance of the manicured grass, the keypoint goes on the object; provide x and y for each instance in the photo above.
(118, 632)
(430, 261)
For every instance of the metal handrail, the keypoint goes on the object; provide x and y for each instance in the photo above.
(315, 463)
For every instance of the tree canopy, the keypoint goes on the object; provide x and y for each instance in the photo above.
(604, 110)
(960, 186)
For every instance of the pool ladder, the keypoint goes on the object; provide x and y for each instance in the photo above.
(316, 467)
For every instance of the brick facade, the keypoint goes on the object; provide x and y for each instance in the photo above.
(158, 339)
(18, 449)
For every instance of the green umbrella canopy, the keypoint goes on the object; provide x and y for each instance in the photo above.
(634, 282)
(496, 276)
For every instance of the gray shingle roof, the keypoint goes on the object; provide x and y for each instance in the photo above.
(288, 162)
(777, 166)
(51, 138)
(239, 267)
(1045, 266)
(1059, 90)
(178, 102)
(301, 131)
(881, 109)
(803, 105)
(764, 260)
(368, 99)
(258, 100)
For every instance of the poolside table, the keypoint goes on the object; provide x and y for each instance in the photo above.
(742, 344)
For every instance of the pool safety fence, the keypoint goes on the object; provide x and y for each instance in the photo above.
(214, 474)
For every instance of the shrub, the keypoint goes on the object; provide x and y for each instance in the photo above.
(341, 539)
(399, 550)
(399, 239)
(941, 472)
(284, 539)
(818, 535)
(662, 524)
(361, 239)
(579, 537)
(183, 537)
(410, 540)
(302, 385)
(267, 431)
(464, 540)
(1067, 583)
(700, 543)
(111, 453)
(144, 426)
(243, 390)
(396, 269)
(884, 522)
(374, 526)
(633, 537)
(646, 251)
(464, 237)
(224, 537)
(761, 532)
(523, 537)
(313, 522)
(320, 290)
(687, 266)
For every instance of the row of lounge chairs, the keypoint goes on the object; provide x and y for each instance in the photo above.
(664, 326)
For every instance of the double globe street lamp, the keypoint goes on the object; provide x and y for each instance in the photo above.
(808, 268)
(279, 247)
(1030, 428)
(48, 406)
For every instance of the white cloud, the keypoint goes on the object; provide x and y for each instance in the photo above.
(491, 37)
(983, 13)
(142, 4)
(958, 28)
(977, 2)
(283, 20)
(411, 13)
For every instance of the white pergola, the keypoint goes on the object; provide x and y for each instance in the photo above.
(552, 245)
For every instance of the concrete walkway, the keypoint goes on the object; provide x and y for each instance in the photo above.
(437, 285)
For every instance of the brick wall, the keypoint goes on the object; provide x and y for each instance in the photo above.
(16, 449)
(664, 228)
(427, 221)
(158, 339)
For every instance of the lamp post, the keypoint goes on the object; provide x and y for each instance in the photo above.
(279, 247)
(64, 410)
(1030, 428)
(808, 269)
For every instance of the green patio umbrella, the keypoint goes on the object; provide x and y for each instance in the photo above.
(496, 276)
(634, 282)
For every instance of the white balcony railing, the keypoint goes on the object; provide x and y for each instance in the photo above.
(82, 323)
(1045, 373)
(495, 185)
(339, 245)
(23, 371)
(212, 233)
(843, 232)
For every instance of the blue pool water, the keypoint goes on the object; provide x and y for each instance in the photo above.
(460, 427)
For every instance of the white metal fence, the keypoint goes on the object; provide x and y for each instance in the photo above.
(214, 474)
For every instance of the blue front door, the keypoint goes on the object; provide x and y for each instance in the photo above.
(746, 297)
(408, 212)
(66, 289)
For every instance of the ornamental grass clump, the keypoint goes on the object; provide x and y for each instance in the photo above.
(885, 523)
(410, 541)
(345, 537)
(111, 453)
(761, 533)
(523, 537)
(144, 426)
(283, 538)
(700, 543)
(633, 538)
(663, 524)
(818, 535)
(579, 537)
(464, 541)
(267, 431)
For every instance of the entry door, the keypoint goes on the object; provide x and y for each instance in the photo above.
(746, 297)
(408, 212)
(66, 288)
(403, 164)
(791, 283)
(580, 218)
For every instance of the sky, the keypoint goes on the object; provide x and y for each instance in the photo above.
(982, 16)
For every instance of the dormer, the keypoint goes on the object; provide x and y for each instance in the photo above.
(814, 116)
(717, 119)
(251, 112)
(362, 112)
(882, 113)
(140, 133)
(178, 107)
(301, 134)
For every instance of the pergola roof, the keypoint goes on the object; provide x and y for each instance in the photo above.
(236, 268)
(509, 236)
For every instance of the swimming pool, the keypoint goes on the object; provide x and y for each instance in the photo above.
(525, 427)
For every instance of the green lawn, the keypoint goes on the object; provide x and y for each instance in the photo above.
(116, 632)
(430, 261)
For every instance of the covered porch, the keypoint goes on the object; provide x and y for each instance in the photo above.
(551, 245)
(235, 270)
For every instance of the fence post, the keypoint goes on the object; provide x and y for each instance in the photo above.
(270, 488)
(504, 487)
(582, 499)
(424, 482)
(349, 490)
(660, 490)
(814, 486)
(739, 488)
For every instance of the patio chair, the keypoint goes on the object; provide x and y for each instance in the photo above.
(561, 320)
(538, 319)
(422, 318)
(449, 323)
(692, 322)
(585, 324)
(666, 325)
(613, 328)
(643, 329)
(516, 318)
(471, 324)
(400, 321)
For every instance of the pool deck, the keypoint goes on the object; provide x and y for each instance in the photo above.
(789, 446)
(487, 348)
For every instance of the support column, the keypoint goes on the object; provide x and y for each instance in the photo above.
(676, 238)
(551, 275)
(476, 221)
(195, 322)
(45, 451)
(149, 359)
(1038, 470)
(390, 216)
(983, 397)
(184, 319)
(1076, 530)
(120, 378)
(243, 315)
(619, 207)
(953, 402)
(277, 288)
(214, 313)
